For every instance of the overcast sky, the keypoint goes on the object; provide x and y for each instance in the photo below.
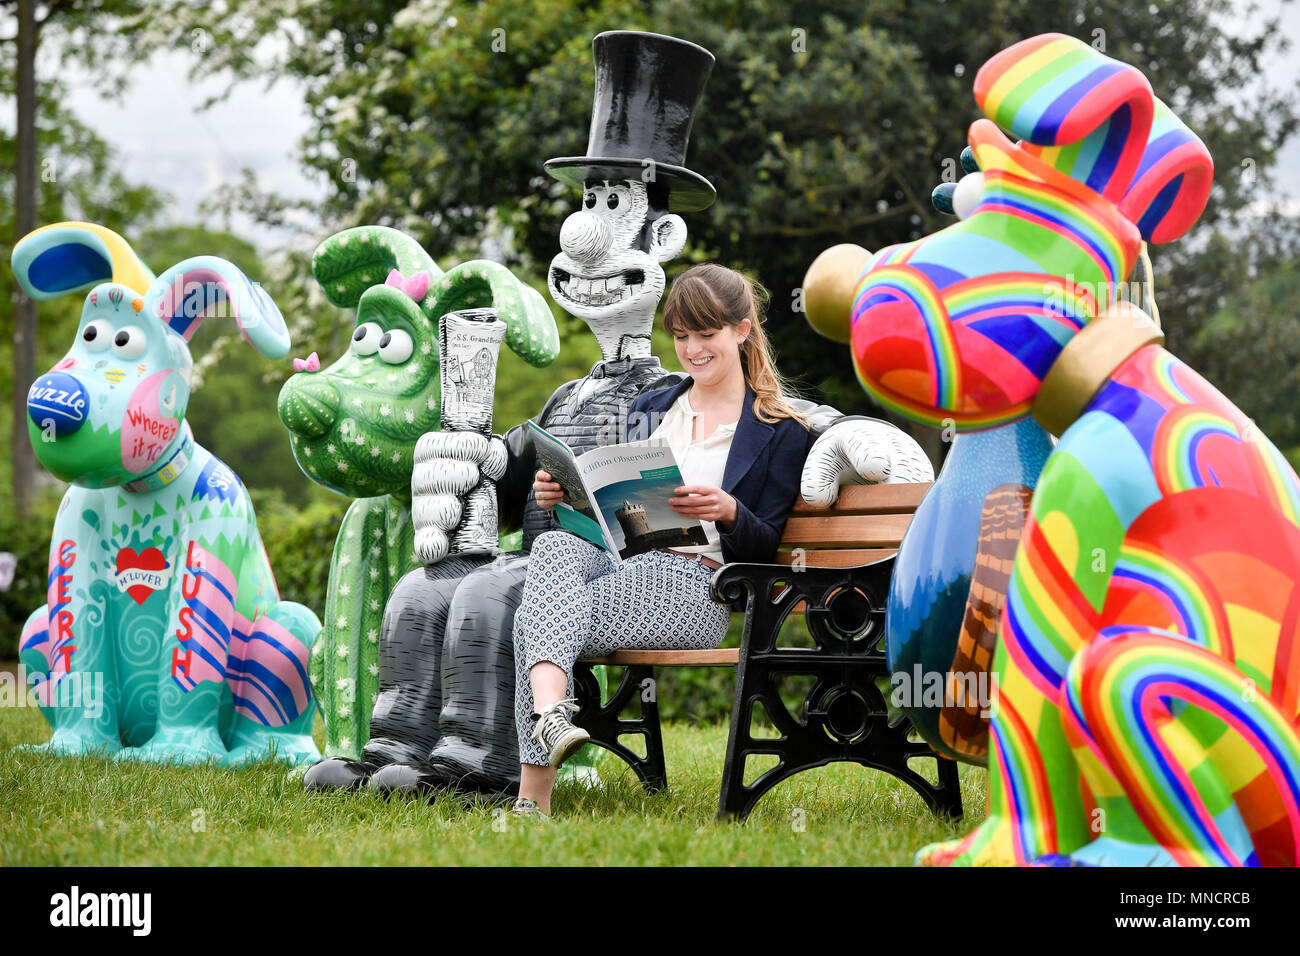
(165, 141)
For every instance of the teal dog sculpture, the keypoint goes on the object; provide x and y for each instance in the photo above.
(163, 636)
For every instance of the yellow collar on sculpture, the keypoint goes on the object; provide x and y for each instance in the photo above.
(1088, 360)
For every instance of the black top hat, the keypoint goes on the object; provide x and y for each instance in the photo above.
(648, 87)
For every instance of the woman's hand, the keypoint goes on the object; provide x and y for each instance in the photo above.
(705, 503)
(546, 493)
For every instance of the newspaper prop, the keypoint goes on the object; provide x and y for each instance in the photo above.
(468, 345)
(616, 496)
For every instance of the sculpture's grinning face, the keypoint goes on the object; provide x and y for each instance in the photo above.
(608, 271)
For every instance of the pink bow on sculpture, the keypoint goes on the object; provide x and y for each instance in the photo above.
(310, 364)
(417, 286)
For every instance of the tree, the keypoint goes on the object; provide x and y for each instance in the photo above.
(24, 338)
(823, 123)
(79, 181)
(1253, 341)
(96, 33)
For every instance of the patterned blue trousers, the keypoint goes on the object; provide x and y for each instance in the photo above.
(578, 603)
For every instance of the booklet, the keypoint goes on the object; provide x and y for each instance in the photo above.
(616, 496)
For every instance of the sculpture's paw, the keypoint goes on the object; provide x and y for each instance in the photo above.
(946, 853)
(72, 744)
(337, 773)
(989, 844)
(421, 778)
(171, 746)
(1105, 851)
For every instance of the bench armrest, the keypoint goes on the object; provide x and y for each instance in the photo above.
(740, 583)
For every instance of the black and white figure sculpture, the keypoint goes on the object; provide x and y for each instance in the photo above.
(444, 714)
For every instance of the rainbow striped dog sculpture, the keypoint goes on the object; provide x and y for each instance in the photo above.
(1148, 659)
(163, 637)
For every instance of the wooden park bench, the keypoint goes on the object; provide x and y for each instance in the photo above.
(834, 567)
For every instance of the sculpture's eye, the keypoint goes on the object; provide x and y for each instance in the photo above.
(619, 200)
(395, 347)
(130, 342)
(365, 340)
(97, 336)
(589, 201)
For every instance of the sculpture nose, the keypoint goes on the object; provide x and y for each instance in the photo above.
(308, 405)
(585, 238)
(58, 401)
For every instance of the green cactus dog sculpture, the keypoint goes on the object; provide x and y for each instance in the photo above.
(353, 428)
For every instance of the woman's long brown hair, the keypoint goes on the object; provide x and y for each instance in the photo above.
(706, 298)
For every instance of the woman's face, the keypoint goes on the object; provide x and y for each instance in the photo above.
(712, 357)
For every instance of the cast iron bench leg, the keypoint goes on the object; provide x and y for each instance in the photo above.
(736, 800)
(799, 747)
(844, 716)
(603, 722)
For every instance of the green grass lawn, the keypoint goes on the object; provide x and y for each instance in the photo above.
(83, 811)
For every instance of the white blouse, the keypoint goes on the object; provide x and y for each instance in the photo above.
(702, 462)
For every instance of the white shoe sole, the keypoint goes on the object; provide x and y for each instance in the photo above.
(568, 746)
(536, 817)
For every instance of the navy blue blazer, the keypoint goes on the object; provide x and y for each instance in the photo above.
(762, 471)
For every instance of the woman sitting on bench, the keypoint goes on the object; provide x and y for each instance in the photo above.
(740, 448)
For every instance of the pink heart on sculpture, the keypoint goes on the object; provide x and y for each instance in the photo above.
(150, 559)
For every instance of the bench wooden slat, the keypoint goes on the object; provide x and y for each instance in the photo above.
(846, 558)
(861, 531)
(870, 500)
(719, 657)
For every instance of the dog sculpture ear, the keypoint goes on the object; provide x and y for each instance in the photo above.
(188, 292)
(1073, 107)
(531, 332)
(350, 262)
(1096, 120)
(68, 257)
(1173, 180)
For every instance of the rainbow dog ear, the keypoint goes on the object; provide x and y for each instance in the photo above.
(1173, 180)
(1076, 109)
(68, 257)
(184, 295)
(1096, 120)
